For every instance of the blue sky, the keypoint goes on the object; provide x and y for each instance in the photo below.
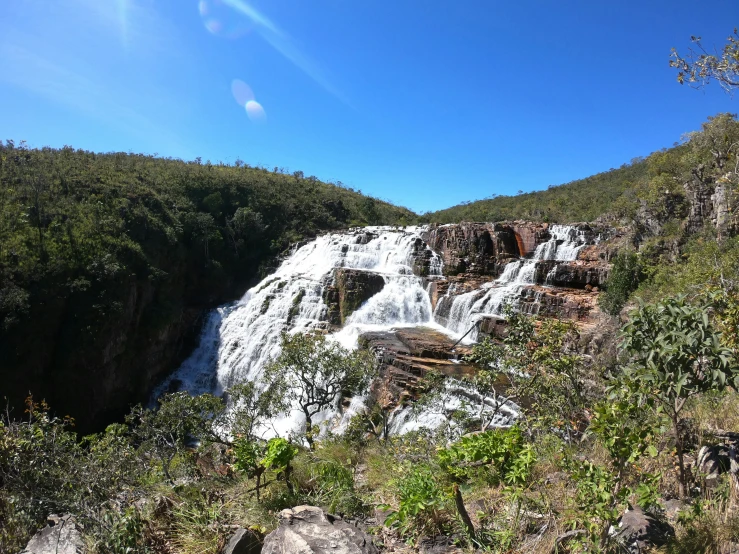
(424, 103)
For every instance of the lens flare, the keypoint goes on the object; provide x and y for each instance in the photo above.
(255, 111)
(242, 92)
(220, 20)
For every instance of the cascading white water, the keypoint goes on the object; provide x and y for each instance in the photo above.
(239, 339)
(466, 309)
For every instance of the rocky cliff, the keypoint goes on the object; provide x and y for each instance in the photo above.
(406, 356)
(350, 289)
(94, 367)
(475, 254)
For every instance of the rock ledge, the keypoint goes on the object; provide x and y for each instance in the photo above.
(310, 530)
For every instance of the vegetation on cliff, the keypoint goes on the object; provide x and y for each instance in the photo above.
(651, 191)
(682, 225)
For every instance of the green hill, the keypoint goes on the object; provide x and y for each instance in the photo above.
(581, 200)
(106, 260)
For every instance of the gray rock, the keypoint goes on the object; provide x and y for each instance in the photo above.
(438, 545)
(713, 461)
(310, 530)
(672, 508)
(60, 536)
(243, 541)
(638, 531)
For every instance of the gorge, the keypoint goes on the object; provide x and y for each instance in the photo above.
(407, 293)
(109, 304)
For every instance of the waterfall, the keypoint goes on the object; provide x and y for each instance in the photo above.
(466, 309)
(239, 339)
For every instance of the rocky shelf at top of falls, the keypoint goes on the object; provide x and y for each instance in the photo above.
(474, 255)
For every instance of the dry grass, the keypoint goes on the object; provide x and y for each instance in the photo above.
(716, 411)
(716, 532)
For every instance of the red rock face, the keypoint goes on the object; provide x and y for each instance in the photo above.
(474, 248)
(476, 253)
(529, 236)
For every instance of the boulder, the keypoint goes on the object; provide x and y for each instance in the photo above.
(351, 289)
(712, 461)
(60, 536)
(638, 531)
(310, 530)
(440, 544)
(243, 541)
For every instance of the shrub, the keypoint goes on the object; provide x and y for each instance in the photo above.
(626, 274)
(421, 504)
(501, 450)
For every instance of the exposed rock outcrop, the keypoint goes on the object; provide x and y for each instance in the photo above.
(575, 304)
(60, 536)
(351, 289)
(639, 531)
(477, 249)
(476, 253)
(474, 248)
(578, 274)
(310, 530)
(406, 356)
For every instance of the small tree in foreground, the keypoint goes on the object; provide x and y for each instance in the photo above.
(315, 373)
(179, 419)
(255, 458)
(676, 353)
(541, 371)
(251, 410)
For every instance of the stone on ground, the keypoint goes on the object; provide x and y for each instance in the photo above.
(310, 530)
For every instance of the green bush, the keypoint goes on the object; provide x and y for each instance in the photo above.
(422, 505)
(626, 274)
(502, 451)
(335, 488)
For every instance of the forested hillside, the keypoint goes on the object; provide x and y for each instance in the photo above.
(670, 187)
(106, 260)
(581, 200)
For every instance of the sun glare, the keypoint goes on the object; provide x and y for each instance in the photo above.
(255, 111)
(123, 20)
(220, 20)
